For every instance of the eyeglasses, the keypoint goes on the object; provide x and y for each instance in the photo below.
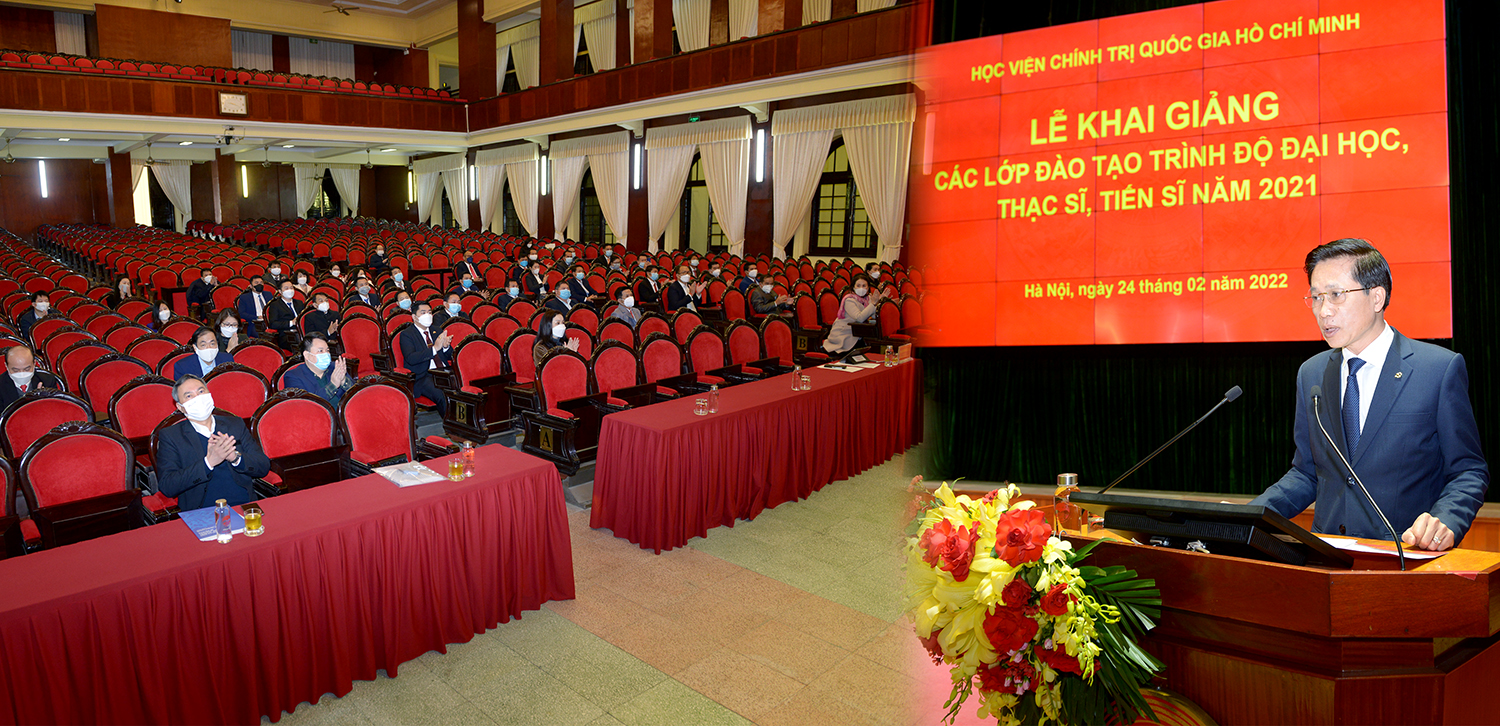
(1337, 297)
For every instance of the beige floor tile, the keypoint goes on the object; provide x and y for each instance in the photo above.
(603, 674)
(836, 623)
(527, 696)
(755, 590)
(884, 695)
(721, 618)
(468, 667)
(664, 643)
(542, 634)
(744, 685)
(790, 651)
(671, 703)
(896, 648)
(606, 720)
(414, 695)
(599, 610)
(808, 708)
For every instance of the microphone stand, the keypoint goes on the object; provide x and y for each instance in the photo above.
(1230, 396)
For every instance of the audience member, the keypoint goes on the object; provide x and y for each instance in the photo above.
(551, 333)
(510, 294)
(229, 330)
(206, 458)
(41, 307)
(751, 278)
(648, 288)
(424, 351)
(466, 266)
(626, 310)
(684, 294)
(252, 304)
(119, 293)
(765, 302)
(579, 288)
(322, 318)
(535, 280)
(284, 312)
(207, 355)
(319, 374)
(23, 377)
(857, 307)
(200, 296)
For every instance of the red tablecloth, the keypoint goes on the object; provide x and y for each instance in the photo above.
(665, 474)
(152, 626)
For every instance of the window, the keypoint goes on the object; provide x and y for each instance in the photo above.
(512, 83)
(511, 224)
(327, 203)
(592, 228)
(841, 226)
(582, 63)
(699, 223)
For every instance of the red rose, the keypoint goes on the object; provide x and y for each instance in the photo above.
(953, 548)
(1059, 660)
(1055, 602)
(1020, 535)
(1008, 629)
(1016, 594)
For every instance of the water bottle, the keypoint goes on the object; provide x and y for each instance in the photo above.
(796, 378)
(713, 398)
(890, 356)
(222, 522)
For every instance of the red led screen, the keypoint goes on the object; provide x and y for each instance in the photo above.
(1159, 177)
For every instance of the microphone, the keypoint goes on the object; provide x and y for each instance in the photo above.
(1317, 416)
(1229, 395)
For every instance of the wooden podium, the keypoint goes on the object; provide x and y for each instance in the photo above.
(1262, 643)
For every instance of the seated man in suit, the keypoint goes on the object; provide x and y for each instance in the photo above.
(23, 376)
(206, 458)
(403, 301)
(648, 288)
(274, 276)
(323, 319)
(252, 304)
(684, 294)
(423, 349)
(41, 307)
(283, 313)
(398, 280)
(377, 262)
(569, 257)
(445, 309)
(1397, 409)
(534, 282)
(200, 296)
(364, 293)
(523, 265)
(319, 374)
(560, 301)
(208, 355)
(510, 294)
(579, 289)
(463, 284)
(715, 271)
(466, 266)
(766, 302)
(751, 278)
(626, 310)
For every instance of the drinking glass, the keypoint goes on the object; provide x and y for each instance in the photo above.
(254, 527)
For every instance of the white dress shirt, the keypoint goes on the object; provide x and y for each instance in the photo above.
(1369, 374)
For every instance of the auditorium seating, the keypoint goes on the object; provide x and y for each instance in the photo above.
(378, 420)
(299, 432)
(79, 483)
(565, 428)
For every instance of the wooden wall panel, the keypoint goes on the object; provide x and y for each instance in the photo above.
(390, 195)
(27, 29)
(203, 191)
(166, 37)
(70, 198)
(400, 66)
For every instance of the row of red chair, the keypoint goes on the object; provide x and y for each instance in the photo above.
(32, 60)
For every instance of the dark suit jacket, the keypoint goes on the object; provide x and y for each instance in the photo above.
(1418, 450)
(305, 378)
(180, 470)
(41, 379)
(503, 301)
(194, 366)
(284, 313)
(418, 354)
(376, 262)
(678, 298)
(245, 306)
(647, 292)
(580, 289)
(554, 303)
(27, 319)
(745, 284)
(199, 292)
(473, 271)
(533, 286)
(318, 322)
(372, 299)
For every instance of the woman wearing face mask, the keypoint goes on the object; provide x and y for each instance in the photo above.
(302, 284)
(161, 316)
(856, 307)
(123, 290)
(551, 333)
(229, 331)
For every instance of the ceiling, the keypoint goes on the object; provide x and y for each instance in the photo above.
(64, 144)
(396, 8)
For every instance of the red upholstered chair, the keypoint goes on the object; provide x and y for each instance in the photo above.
(70, 363)
(263, 357)
(100, 323)
(103, 377)
(585, 318)
(650, 324)
(79, 482)
(300, 434)
(735, 307)
(181, 330)
(616, 372)
(460, 328)
(523, 396)
(565, 431)
(278, 379)
(152, 349)
(379, 421)
(12, 537)
(123, 335)
(362, 338)
(500, 327)
(480, 406)
(585, 339)
(827, 311)
(136, 410)
(29, 417)
(708, 355)
(617, 330)
(521, 310)
(685, 322)
(663, 364)
(238, 389)
(168, 363)
(54, 336)
(483, 313)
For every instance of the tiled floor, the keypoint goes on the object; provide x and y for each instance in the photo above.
(792, 618)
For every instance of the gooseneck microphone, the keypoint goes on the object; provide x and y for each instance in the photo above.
(1229, 395)
(1317, 392)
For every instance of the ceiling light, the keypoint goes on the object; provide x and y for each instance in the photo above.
(386, 151)
(288, 146)
(65, 139)
(184, 143)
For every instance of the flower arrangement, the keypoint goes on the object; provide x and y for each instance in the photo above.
(1040, 636)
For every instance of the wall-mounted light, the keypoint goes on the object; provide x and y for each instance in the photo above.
(65, 139)
(637, 177)
(244, 181)
(542, 170)
(41, 167)
(760, 155)
(184, 143)
(411, 189)
(473, 183)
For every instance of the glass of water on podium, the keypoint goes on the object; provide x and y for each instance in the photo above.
(1067, 516)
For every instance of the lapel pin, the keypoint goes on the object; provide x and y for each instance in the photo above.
(1398, 374)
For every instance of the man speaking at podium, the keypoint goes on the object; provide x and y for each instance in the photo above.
(1398, 409)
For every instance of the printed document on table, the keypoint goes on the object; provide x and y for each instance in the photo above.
(409, 474)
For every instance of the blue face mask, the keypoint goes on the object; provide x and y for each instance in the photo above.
(564, 293)
(514, 291)
(454, 308)
(578, 275)
(568, 260)
(467, 284)
(403, 304)
(323, 360)
(396, 276)
(524, 263)
(654, 276)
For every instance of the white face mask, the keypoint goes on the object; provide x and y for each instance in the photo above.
(753, 274)
(42, 307)
(288, 293)
(228, 331)
(874, 274)
(162, 315)
(22, 378)
(322, 307)
(425, 320)
(336, 274)
(276, 270)
(766, 287)
(715, 273)
(629, 301)
(207, 355)
(684, 277)
(199, 407)
(559, 331)
(208, 280)
(861, 291)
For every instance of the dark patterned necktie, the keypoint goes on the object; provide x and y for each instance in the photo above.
(1351, 406)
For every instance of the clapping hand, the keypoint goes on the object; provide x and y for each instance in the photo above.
(442, 341)
(221, 449)
(572, 344)
(340, 372)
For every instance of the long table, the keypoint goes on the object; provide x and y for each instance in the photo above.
(665, 475)
(152, 626)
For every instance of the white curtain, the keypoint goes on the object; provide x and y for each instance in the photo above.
(69, 33)
(523, 192)
(528, 62)
(309, 179)
(666, 176)
(502, 66)
(456, 184)
(691, 17)
(429, 195)
(175, 178)
(726, 169)
(601, 36)
(567, 178)
(322, 58)
(866, 6)
(137, 173)
(612, 184)
(491, 186)
(346, 180)
(744, 17)
(816, 11)
(880, 159)
(430, 188)
(251, 50)
(796, 165)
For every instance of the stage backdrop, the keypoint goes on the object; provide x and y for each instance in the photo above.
(1026, 413)
(1159, 177)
